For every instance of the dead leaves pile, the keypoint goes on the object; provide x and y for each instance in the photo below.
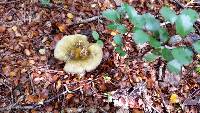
(30, 75)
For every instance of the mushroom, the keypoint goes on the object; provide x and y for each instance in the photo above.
(80, 55)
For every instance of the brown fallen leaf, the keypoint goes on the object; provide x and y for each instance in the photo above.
(70, 15)
(61, 27)
(49, 108)
(27, 52)
(135, 110)
(69, 96)
(2, 29)
(58, 84)
(32, 98)
(174, 98)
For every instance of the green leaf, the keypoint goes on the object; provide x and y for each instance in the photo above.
(111, 14)
(100, 42)
(197, 69)
(140, 37)
(163, 35)
(112, 26)
(139, 22)
(121, 28)
(150, 57)
(174, 66)
(191, 13)
(196, 46)
(131, 12)
(121, 11)
(118, 39)
(166, 54)
(168, 14)
(120, 51)
(45, 2)
(156, 51)
(154, 43)
(151, 23)
(183, 55)
(184, 25)
(95, 35)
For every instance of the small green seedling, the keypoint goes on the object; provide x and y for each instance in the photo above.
(97, 38)
(148, 29)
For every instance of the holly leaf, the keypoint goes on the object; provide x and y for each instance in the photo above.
(168, 14)
(191, 13)
(120, 51)
(196, 46)
(174, 66)
(45, 2)
(182, 55)
(140, 37)
(100, 42)
(95, 35)
(166, 54)
(154, 43)
(112, 26)
(131, 12)
(163, 35)
(121, 28)
(150, 57)
(151, 23)
(111, 14)
(184, 25)
(118, 39)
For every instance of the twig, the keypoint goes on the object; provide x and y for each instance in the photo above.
(164, 23)
(9, 2)
(191, 2)
(38, 105)
(151, 106)
(32, 84)
(177, 2)
(86, 20)
(6, 82)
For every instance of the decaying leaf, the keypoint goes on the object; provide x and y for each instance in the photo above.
(174, 98)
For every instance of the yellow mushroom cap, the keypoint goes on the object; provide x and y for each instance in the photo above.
(74, 63)
(64, 45)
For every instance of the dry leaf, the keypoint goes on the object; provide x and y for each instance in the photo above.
(174, 98)
(69, 96)
(48, 108)
(2, 29)
(61, 27)
(93, 5)
(12, 73)
(31, 62)
(70, 15)
(32, 98)
(27, 52)
(58, 84)
(137, 111)
(113, 33)
(42, 51)
(14, 28)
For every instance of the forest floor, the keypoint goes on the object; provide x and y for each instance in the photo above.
(32, 80)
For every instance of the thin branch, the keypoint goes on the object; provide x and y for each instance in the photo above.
(179, 3)
(9, 2)
(164, 23)
(86, 20)
(148, 104)
(37, 105)
(32, 84)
